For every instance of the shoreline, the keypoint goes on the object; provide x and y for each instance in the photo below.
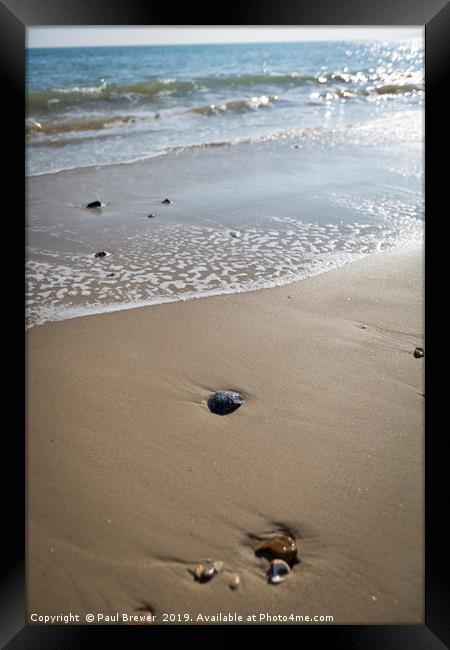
(340, 262)
(131, 480)
(238, 218)
(305, 135)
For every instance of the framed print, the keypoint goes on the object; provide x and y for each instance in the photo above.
(225, 359)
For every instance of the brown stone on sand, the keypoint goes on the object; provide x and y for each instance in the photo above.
(234, 581)
(418, 353)
(279, 547)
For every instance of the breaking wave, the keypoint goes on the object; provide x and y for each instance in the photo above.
(146, 91)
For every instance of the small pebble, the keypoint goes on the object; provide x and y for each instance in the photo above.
(234, 582)
(151, 216)
(94, 204)
(235, 233)
(167, 201)
(101, 254)
(225, 402)
(418, 353)
(280, 547)
(110, 275)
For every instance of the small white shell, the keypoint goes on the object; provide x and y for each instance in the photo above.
(278, 571)
(218, 566)
(204, 572)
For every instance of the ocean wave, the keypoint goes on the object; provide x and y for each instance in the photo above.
(55, 99)
(237, 107)
(395, 89)
(368, 92)
(33, 127)
(98, 123)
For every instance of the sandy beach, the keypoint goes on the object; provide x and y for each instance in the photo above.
(132, 481)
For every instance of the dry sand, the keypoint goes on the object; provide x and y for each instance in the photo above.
(131, 480)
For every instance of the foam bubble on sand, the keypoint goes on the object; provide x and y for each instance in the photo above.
(181, 262)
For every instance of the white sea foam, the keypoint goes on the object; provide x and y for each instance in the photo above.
(182, 263)
(53, 313)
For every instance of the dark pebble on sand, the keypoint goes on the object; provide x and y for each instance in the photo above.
(167, 201)
(418, 353)
(224, 402)
(94, 204)
(100, 254)
(110, 275)
(151, 216)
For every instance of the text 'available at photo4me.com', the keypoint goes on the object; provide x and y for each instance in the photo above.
(178, 617)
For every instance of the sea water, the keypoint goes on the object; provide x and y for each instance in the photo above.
(282, 161)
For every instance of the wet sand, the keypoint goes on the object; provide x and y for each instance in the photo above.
(131, 480)
(246, 216)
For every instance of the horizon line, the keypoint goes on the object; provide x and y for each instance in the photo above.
(344, 40)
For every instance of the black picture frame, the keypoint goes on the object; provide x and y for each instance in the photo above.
(15, 16)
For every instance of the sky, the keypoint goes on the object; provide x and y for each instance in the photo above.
(103, 36)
